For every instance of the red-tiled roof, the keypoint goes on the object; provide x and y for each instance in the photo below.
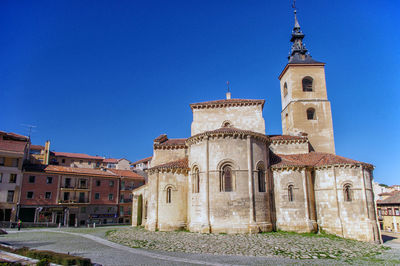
(182, 163)
(127, 173)
(13, 146)
(143, 160)
(173, 142)
(311, 159)
(77, 155)
(37, 147)
(78, 171)
(227, 102)
(111, 160)
(13, 136)
(394, 199)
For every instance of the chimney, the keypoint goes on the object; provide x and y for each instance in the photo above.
(228, 95)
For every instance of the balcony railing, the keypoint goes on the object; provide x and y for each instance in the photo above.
(74, 187)
(127, 188)
(73, 201)
(125, 200)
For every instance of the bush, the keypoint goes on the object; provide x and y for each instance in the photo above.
(46, 256)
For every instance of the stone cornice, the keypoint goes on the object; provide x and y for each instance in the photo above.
(227, 103)
(227, 132)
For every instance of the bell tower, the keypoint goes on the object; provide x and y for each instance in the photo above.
(305, 105)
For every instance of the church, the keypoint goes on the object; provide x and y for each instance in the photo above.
(230, 177)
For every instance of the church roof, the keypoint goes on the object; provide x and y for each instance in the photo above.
(229, 131)
(162, 142)
(178, 164)
(315, 159)
(227, 103)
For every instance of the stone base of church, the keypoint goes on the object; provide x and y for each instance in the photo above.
(199, 228)
(306, 227)
(252, 228)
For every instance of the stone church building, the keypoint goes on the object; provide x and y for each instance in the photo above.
(231, 177)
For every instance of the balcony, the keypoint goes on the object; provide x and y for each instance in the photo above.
(71, 187)
(128, 188)
(74, 201)
(125, 201)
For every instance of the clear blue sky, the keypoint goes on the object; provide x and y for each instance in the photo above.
(107, 77)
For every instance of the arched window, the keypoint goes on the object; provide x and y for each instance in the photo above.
(226, 179)
(308, 84)
(311, 114)
(196, 180)
(290, 193)
(347, 192)
(169, 194)
(261, 179)
(226, 123)
(285, 92)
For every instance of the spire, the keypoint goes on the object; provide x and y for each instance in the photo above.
(299, 53)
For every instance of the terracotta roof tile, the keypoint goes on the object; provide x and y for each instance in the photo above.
(127, 173)
(13, 136)
(111, 160)
(182, 163)
(311, 159)
(13, 146)
(37, 147)
(143, 160)
(78, 171)
(394, 199)
(77, 155)
(227, 102)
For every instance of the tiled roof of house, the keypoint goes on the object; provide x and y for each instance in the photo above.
(78, 171)
(182, 163)
(226, 103)
(311, 159)
(111, 160)
(127, 174)
(143, 160)
(13, 146)
(393, 199)
(77, 155)
(37, 147)
(13, 136)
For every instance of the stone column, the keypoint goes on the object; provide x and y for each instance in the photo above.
(252, 215)
(208, 229)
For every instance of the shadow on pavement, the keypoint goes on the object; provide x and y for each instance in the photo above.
(386, 238)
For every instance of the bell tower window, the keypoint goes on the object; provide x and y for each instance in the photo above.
(307, 84)
(311, 114)
(285, 90)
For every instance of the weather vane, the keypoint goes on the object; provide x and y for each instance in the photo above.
(227, 84)
(294, 5)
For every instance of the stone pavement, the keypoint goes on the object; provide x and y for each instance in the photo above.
(91, 243)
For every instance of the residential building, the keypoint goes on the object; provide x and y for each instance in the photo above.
(76, 196)
(142, 164)
(388, 210)
(128, 181)
(119, 164)
(40, 154)
(13, 152)
(79, 160)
